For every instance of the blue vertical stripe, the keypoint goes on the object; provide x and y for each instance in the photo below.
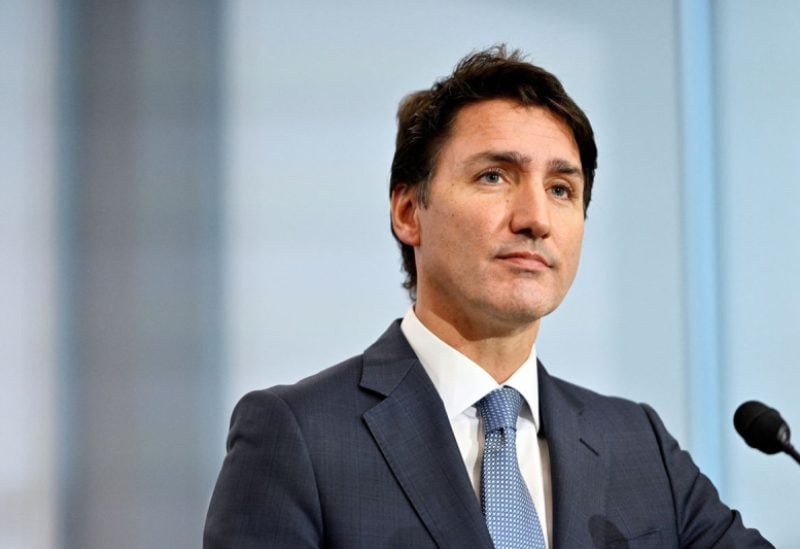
(701, 255)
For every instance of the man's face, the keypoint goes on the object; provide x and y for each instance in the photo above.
(500, 238)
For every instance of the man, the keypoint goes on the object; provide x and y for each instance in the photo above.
(446, 432)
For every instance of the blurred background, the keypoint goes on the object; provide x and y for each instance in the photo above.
(194, 204)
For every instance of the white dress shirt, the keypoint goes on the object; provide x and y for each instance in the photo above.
(461, 383)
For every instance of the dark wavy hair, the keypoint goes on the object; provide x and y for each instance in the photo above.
(425, 119)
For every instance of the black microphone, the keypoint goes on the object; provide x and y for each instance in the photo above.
(763, 428)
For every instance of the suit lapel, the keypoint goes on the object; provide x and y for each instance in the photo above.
(577, 461)
(412, 431)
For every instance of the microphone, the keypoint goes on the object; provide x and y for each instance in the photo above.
(763, 428)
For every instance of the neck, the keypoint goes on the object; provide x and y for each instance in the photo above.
(497, 347)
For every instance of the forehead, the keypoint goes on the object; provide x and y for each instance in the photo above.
(503, 124)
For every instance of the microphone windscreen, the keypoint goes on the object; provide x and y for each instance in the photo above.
(761, 427)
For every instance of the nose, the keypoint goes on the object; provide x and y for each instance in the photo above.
(530, 211)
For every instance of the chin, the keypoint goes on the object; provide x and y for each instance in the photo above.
(519, 313)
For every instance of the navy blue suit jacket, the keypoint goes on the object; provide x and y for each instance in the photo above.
(362, 455)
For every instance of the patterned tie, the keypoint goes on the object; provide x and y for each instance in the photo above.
(506, 503)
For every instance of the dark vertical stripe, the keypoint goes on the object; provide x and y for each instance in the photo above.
(141, 285)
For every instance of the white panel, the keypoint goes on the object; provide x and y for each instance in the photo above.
(28, 486)
(759, 133)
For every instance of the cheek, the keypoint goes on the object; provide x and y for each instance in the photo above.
(443, 236)
(463, 230)
(574, 248)
(453, 225)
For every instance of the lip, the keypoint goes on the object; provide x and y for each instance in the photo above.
(529, 261)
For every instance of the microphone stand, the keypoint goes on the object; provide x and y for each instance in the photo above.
(789, 449)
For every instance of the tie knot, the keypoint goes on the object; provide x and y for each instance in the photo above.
(500, 409)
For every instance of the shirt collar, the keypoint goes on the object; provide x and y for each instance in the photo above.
(460, 382)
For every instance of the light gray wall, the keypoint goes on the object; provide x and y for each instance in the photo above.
(758, 90)
(28, 267)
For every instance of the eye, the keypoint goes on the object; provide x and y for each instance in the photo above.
(561, 191)
(492, 177)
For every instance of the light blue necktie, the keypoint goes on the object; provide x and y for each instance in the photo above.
(506, 503)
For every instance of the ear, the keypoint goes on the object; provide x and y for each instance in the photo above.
(405, 218)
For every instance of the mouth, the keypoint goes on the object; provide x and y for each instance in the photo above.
(525, 260)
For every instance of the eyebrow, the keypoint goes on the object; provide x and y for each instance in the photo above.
(505, 157)
(564, 167)
(556, 165)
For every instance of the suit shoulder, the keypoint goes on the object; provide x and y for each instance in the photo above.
(347, 372)
(341, 385)
(608, 408)
(590, 397)
(316, 392)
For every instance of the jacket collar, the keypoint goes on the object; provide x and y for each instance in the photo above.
(578, 457)
(411, 428)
